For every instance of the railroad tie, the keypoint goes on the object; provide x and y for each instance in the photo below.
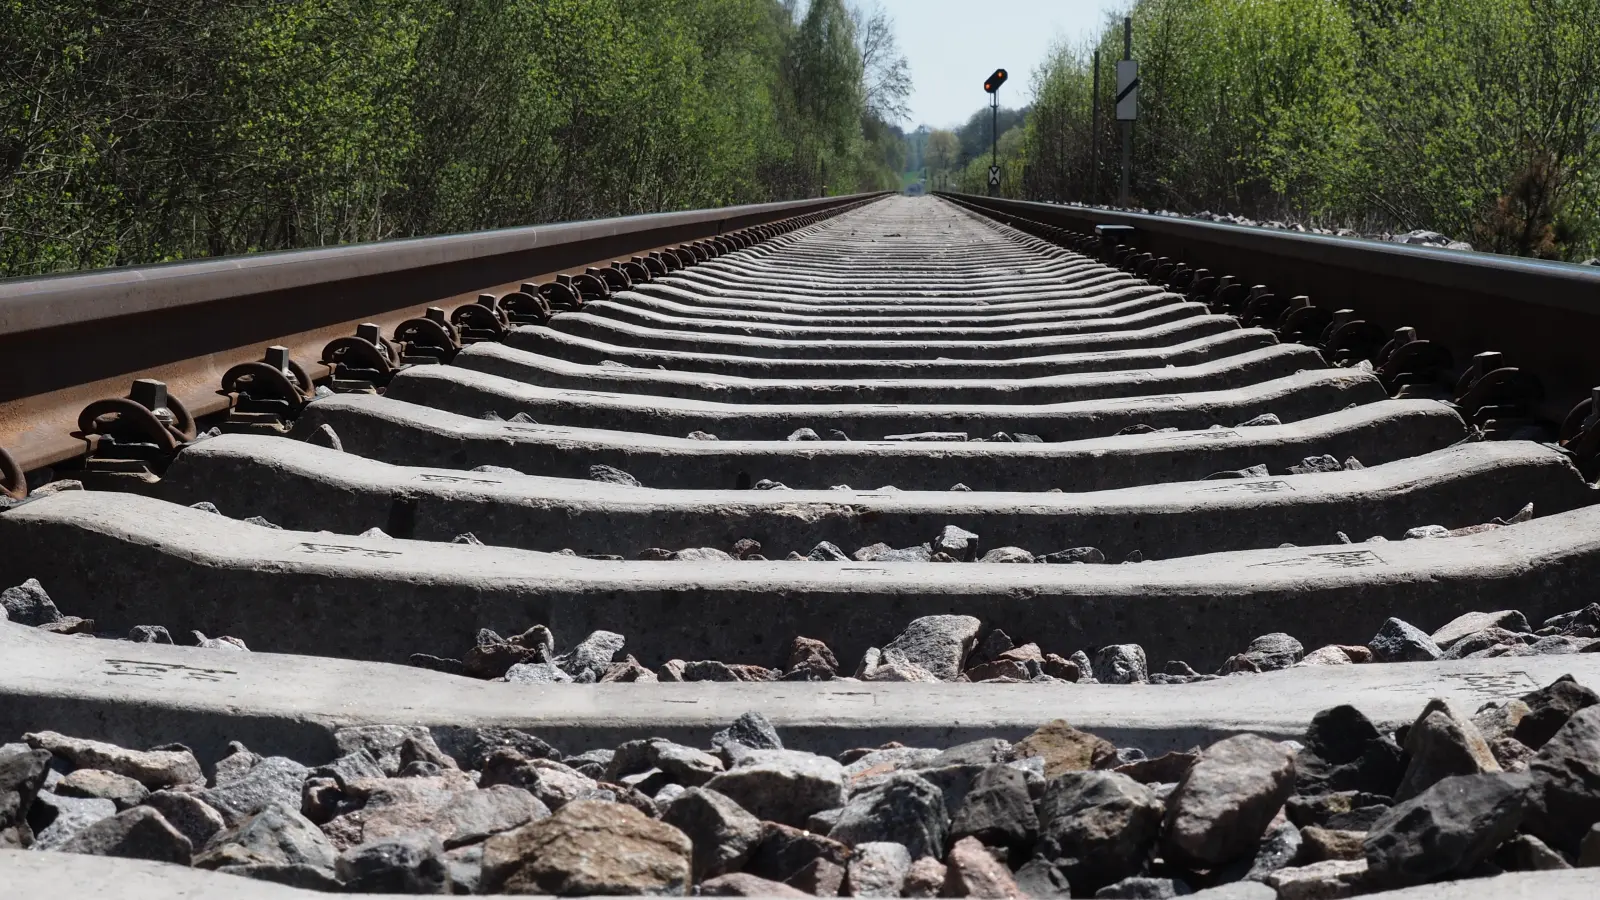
(895, 551)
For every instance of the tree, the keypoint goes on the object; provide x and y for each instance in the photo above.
(134, 131)
(943, 151)
(886, 75)
(1476, 118)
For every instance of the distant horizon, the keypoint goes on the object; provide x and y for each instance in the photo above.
(951, 48)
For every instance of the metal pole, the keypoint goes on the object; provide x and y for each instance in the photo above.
(994, 135)
(1127, 127)
(1094, 133)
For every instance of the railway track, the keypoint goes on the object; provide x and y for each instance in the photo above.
(1006, 467)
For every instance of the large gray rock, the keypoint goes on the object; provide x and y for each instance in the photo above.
(1223, 805)
(28, 604)
(125, 792)
(537, 673)
(1399, 641)
(394, 806)
(1566, 790)
(1345, 752)
(385, 742)
(1441, 743)
(22, 773)
(349, 767)
(552, 783)
(590, 659)
(985, 752)
(953, 540)
(938, 644)
(471, 816)
(189, 814)
(1015, 555)
(723, 833)
(404, 864)
(997, 810)
(954, 782)
(892, 665)
(785, 786)
(139, 833)
(786, 852)
(276, 779)
(1098, 827)
(872, 763)
(235, 764)
(1040, 877)
(1549, 708)
(881, 552)
(905, 810)
(66, 816)
(277, 835)
(1319, 881)
(1473, 622)
(681, 765)
(612, 475)
(1121, 664)
(155, 769)
(589, 847)
(470, 745)
(751, 730)
(1267, 653)
(827, 551)
(878, 869)
(1446, 831)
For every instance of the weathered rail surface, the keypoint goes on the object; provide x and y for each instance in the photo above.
(69, 339)
(829, 420)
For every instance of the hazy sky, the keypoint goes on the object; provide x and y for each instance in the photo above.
(953, 46)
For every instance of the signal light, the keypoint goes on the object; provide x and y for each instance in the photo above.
(994, 82)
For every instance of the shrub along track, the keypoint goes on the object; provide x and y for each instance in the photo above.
(828, 427)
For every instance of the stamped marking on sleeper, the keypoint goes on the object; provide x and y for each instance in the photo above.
(1494, 685)
(165, 671)
(455, 479)
(343, 550)
(1247, 487)
(1343, 559)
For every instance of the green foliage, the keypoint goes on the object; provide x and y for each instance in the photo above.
(138, 131)
(1477, 118)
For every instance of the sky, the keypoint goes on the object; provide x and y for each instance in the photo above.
(953, 46)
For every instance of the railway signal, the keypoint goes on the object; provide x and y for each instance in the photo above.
(991, 86)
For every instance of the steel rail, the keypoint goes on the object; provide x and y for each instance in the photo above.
(1544, 316)
(69, 339)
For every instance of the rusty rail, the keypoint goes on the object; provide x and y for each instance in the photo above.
(1543, 317)
(68, 340)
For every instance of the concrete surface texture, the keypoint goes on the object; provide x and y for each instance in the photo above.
(302, 592)
(148, 694)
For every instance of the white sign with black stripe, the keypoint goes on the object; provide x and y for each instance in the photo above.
(1127, 90)
(994, 176)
